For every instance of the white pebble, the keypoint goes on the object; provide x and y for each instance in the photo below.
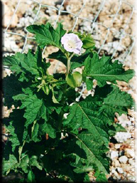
(114, 154)
(10, 45)
(122, 136)
(132, 178)
(117, 146)
(120, 170)
(8, 71)
(124, 121)
(132, 119)
(123, 159)
(118, 46)
(131, 161)
(130, 153)
(113, 170)
(116, 163)
(115, 173)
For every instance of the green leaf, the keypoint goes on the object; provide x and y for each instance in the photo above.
(75, 65)
(9, 164)
(34, 108)
(27, 66)
(47, 35)
(95, 154)
(14, 62)
(89, 83)
(116, 128)
(53, 96)
(117, 101)
(104, 70)
(97, 115)
(15, 126)
(48, 128)
(30, 64)
(88, 41)
(74, 80)
(86, 178)
(24, 164)
(13, 136)
(34, 162)
(35, 132)
(86, 115)
(31, 176)
(100, 177)
(118, 98)
(95, 118)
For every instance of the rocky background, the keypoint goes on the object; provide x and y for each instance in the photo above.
(112, 24)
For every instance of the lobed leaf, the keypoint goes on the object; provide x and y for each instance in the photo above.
(95, 153)
(27, 66)
(10, 164)
(47, 35)
(85, 115)
(116, 101)
(91, 123)
(34, 162)
(104, 70)
(15, 125)
(34, 108)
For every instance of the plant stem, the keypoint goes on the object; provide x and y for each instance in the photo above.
(68, 63)
(68, 66)
(68, 59)
(20, 150)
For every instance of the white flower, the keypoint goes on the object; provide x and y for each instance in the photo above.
(72, 43)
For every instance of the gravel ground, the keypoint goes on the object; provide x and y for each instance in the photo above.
(113, 31)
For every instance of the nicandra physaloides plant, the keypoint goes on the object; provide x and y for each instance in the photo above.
(53, 135)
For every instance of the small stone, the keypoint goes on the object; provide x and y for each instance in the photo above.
(126, 41)
(8, 71)
(122, 136)
(130, 153)
(123, 159)
(111, 145)
(114, 154)
(116, 163)
(113, 170)
(124, 121)
(22, 8)
(25, 21)
(7, 14)
(4, 137)
(118, 46)
(124, 146)
(132, 178)
(131, 161)
(120, 170)
(117, 146)
(126, 167)
(115, 173)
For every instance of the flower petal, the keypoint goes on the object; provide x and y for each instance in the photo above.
(72, 43)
